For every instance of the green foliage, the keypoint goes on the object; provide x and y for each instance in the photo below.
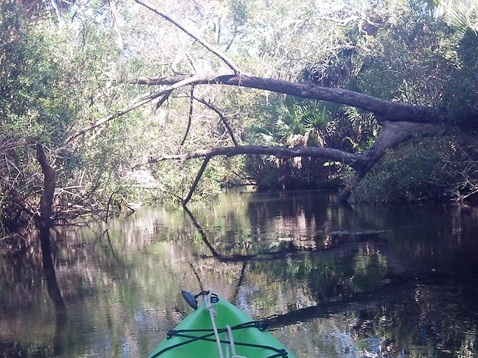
(430, 168)
(418, 56)
(408, 63)
(460, 99)
(60, 77)
(285, 118)
(52, 84)
(35, 101)
(26, 113)
(407, 51)
(240, 12)
(291, 122)
(296, 118)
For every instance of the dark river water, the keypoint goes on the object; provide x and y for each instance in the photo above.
(334, 281)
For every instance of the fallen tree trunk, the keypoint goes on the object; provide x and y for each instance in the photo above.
(399, 122)
(383, 109)
(407, 118)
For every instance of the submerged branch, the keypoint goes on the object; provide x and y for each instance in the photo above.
(273, 255)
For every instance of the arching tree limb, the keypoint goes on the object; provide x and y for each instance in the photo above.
(386, 110)
(326, 153)
(383, 109)
(352, 159)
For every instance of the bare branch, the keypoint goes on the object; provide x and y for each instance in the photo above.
(164, 98)
(222, 117)
(136, 104)
(196, 180)
(209, 47)
(190, 115)
(120, 113)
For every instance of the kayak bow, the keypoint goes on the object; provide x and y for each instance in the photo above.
(219, 329)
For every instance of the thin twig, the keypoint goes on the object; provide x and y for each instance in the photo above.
(222, 117)
(209, 47)
(190, 116)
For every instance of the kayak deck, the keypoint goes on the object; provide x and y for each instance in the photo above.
(195, 336)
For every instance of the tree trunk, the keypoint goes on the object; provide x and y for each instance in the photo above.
(44, 223)
(383, 109)
(46, 200)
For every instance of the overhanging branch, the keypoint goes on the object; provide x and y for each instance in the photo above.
(283, 152)
(164, 93)
(383, 109)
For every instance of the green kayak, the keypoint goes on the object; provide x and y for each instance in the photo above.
(218, 329)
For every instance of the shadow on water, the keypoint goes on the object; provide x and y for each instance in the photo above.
(335, 240)
(42, 293)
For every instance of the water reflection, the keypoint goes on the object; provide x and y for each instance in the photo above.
(335, 281)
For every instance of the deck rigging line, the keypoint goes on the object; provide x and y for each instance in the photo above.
(209, 336)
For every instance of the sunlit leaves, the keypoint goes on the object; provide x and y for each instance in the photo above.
(462, 15)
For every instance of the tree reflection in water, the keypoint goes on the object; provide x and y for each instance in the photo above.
(334, 281)
(53, 290)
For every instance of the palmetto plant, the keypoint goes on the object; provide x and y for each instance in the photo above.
(463, 15)
(299, 118)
